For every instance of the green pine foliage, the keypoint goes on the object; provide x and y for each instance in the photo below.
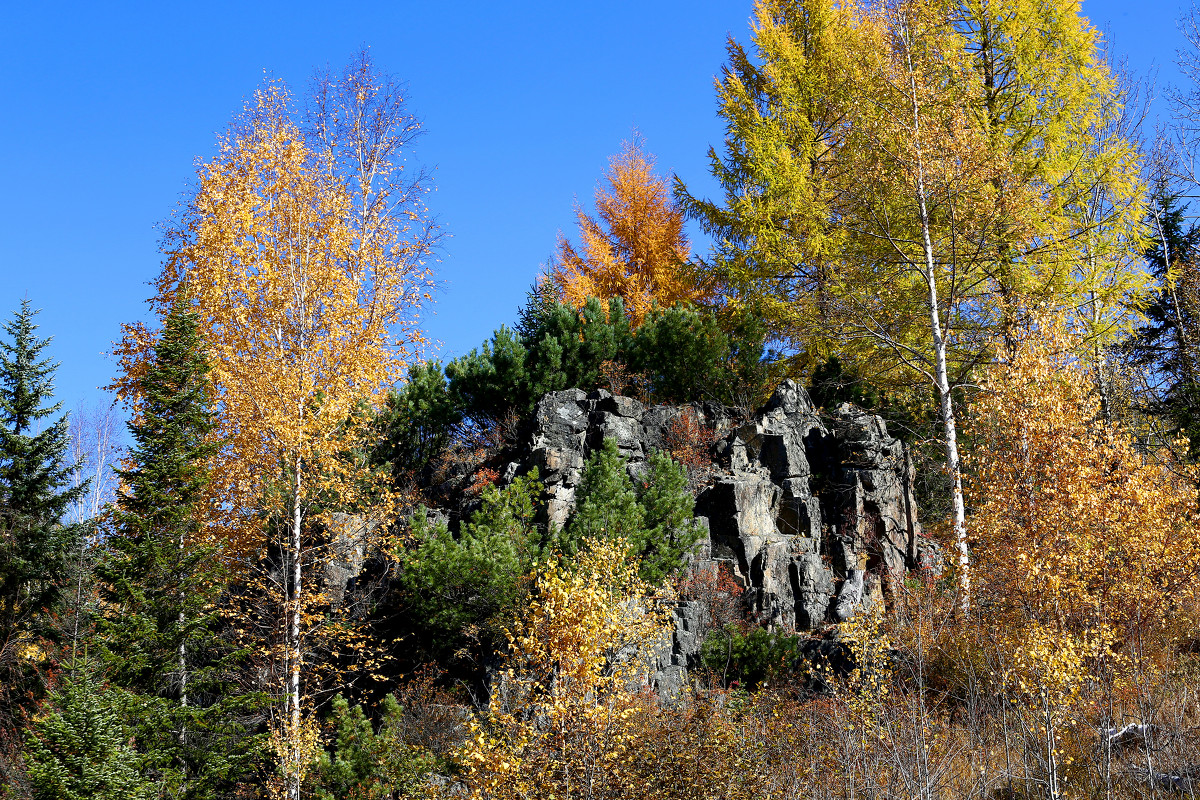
(561, 347)
(417, 422)
(689, 354)
(78, 747)
(158, 582)
(366, 764)
(750, 656)
(607, 505)
(654, 515)
(473, 581)
(677, 355)
(681, 354)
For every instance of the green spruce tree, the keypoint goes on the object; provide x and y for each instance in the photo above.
(36, 547)
(159, 580)
(1167, 347)
(366, 764)
(79, 749)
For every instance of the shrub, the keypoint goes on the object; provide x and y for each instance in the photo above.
(750, 656)
(368, 764)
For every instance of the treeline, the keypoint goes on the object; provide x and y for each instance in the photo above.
(939, 210)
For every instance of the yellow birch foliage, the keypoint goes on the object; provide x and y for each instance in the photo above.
(306, 277)
(635, 249)
(560, 715)
(305, 309)
(1075, 530)
(1085, 549)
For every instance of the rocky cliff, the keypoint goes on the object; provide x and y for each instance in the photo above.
(813, 515)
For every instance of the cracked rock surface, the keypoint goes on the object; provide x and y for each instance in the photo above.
(813, 515)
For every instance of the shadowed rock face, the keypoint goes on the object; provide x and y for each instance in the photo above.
(813, 515)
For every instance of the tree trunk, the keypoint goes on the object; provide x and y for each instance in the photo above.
(183, 674)
(183, 671)
(941, 373)
(294, 650)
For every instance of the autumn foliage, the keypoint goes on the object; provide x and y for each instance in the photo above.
(634, 249)
(572, 680)
(301, 254)
(1075, 527)
(940, 195)
(305, 310)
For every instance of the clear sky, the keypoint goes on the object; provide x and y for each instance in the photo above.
(106, 106)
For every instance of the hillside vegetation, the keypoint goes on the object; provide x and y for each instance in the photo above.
(892, 494)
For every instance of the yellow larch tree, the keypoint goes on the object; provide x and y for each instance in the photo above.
(304, 259)
(903, 180)
(919, 208)
(635, 247)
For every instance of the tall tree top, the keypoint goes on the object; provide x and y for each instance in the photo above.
(634, 249)
(33, 472)
(26, 378)
(172, 433)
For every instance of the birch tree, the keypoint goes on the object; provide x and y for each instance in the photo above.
(95, 449)
(919, 218)
(303, 252)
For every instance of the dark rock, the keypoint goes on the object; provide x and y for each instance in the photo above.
(349, 539)
(813, 587)
(816, 516)
(627, 432)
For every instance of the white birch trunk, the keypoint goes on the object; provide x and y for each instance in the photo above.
(941, 373)
(293, 644)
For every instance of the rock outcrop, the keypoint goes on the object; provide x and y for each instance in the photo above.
(813, 515)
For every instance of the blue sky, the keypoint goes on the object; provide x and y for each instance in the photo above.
(107, 106)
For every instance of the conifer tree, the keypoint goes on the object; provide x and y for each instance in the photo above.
(35, 495)
(653, 518)
(80, 749)
(901, 185)
(1166, 346)
(159, 578)
(634, 248)
(156, 575)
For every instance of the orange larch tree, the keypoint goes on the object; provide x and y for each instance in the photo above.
(635, 247)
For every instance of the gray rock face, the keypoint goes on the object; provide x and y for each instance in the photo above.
(349, 546)
(814, 516)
